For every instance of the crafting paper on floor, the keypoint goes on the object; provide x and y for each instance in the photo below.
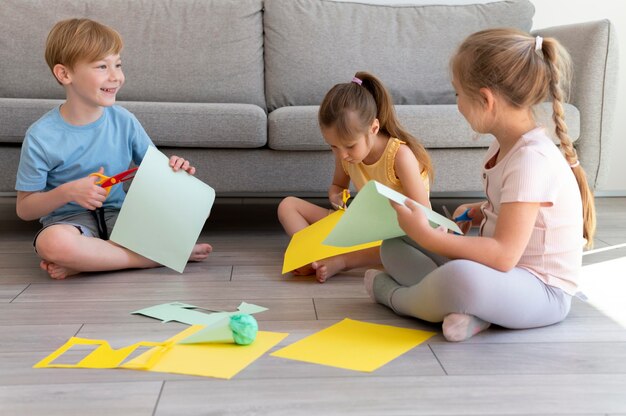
(163, 212)
(208, 360)
(186, 314)
(306, 245)
(355, 345)
(371, 217)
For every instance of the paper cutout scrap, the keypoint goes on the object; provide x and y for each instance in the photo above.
(163, 213)
(217, 324)
(102, 357)
(306, 245)
(240, 329)
(370, 217)
(208, 360)
(184, 313)
(355, 345)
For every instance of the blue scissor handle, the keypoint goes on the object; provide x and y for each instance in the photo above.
(463, 217)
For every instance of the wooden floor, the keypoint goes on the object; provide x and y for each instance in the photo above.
(577, 367)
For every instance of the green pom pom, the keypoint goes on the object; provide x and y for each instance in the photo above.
(244, 328)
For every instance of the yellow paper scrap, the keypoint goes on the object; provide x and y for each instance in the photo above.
(102, 357)
(355, 345)
(306, 245)
(208, 360)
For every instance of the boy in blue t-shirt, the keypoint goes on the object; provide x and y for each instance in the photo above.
(86, 134)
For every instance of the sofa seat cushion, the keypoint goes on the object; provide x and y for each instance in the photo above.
(168, 124)
(177, 51)
(437, 126)
(310, 45)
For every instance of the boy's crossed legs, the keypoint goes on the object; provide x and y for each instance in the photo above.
(66, 251)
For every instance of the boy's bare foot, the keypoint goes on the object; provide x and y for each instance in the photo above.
(55, 271)
(327, 268)
(200, 252)
(303, 271)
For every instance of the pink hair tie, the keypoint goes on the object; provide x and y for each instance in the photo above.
(575, 164)
(357, 80)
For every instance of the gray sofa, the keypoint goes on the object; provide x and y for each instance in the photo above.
(233, 85)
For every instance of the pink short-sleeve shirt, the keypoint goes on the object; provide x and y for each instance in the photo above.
(534, 170)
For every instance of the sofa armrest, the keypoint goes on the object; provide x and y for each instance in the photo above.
(593, 48)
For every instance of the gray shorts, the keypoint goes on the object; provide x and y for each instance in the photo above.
(84, 222)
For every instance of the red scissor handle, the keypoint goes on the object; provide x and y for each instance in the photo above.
(120, 177)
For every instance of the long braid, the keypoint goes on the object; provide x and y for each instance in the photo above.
(555, 63)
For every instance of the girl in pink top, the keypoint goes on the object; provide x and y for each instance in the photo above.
(358, 121)
(522, 269)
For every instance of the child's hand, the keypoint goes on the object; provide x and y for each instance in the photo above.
(412, 219)
(86, 193)
(336, 201)
(474, 213)
(177, 163)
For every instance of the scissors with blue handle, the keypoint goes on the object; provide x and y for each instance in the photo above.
(464, 217)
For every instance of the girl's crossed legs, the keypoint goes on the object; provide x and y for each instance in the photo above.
(467, 296)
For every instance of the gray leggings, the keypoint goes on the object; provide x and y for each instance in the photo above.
(431, 287)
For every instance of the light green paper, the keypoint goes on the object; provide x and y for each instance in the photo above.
(185, 313)
(218, 332)
(370, 217)
(163, 213)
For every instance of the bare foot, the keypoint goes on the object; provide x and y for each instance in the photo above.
(57, 272)
(327, 268)
(303, 271)
(200, 252)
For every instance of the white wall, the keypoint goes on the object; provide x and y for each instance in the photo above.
(560, 12)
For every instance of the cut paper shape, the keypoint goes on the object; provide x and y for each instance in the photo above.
(208, 360)
(306, 245)
(163, 213)
(102, 357)
(370, 217)
(184, 313)
(355, 345)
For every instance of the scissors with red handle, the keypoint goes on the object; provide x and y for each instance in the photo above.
(107, 182)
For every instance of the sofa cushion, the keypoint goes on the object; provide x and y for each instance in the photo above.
(437, 126)
(168, 124)
(182, 51)
(407, 46)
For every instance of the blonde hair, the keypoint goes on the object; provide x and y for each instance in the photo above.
(75, 40)
(368, 101)
(524, 70)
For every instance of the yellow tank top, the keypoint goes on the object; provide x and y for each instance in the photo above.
(383, 170)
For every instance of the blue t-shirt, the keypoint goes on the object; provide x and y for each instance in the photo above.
(55, 152)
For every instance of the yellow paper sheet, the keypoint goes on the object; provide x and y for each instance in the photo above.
(209, 360)
(306, 245)
(355, 345)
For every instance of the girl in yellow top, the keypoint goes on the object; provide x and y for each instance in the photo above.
(358, 121)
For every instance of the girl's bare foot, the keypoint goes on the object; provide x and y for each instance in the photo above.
(303, 271)
(57, 272)
(200, 252)
(327, 268)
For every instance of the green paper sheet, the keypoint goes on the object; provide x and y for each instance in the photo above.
(163, 213)
(185, 313)
(370, 217)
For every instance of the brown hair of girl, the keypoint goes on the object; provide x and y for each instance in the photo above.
(368, 101)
